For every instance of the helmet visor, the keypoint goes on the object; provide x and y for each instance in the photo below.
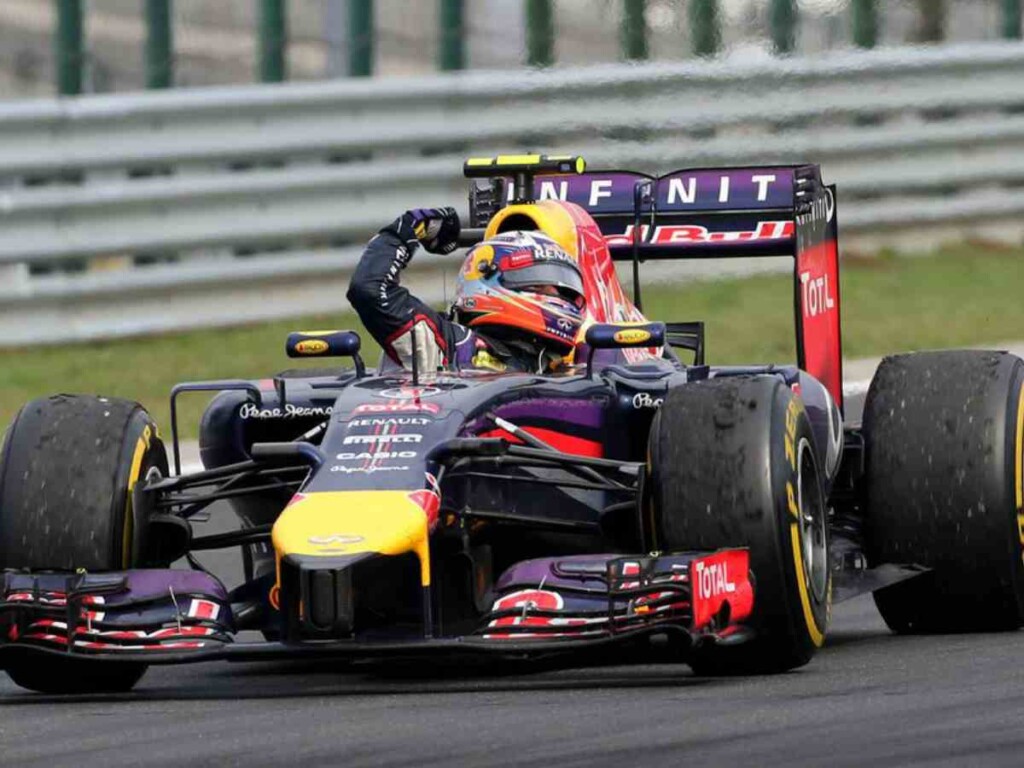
(561, 275)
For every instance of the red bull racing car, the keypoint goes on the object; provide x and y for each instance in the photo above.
(639, 495)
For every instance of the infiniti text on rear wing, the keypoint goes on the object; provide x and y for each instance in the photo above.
(691, 213)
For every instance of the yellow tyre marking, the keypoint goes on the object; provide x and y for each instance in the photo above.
(817, 637)
(133, 477)
(805, 600)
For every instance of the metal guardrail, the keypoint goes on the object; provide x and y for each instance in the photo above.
(259, 196)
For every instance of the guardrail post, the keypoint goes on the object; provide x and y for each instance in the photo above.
(453, 43)
(634, 30)
(783, 19)
(360, 38)
(865, 23)
(273, 41)
(540, 33)
(70, 53)
(931, 21)
(704, 26)
(1011, 19)
(159, 44)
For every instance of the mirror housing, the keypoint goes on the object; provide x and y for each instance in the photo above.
(623, 335)
(326, 344)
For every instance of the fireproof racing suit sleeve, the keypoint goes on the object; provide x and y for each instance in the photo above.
(391, 314)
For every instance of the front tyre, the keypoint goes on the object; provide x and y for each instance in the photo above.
(60, 675)
(68, 465)
(732, 463)
(67, 469)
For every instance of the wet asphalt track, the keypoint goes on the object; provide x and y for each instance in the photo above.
(868, 697)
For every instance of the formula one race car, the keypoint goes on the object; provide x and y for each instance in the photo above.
(629, 499)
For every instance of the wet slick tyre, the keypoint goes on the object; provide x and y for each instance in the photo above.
(943, 462)
(67, 467)
(732, 464)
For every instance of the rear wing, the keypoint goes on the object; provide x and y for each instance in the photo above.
(779, 210)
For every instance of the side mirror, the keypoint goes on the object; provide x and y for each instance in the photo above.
(326, 344)
(621, 336)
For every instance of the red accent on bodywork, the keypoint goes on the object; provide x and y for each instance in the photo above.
(430, 503)
(606, 301)
(817, 275)
(531, 599)
(203, 609)
(721, 578)
(580, 446)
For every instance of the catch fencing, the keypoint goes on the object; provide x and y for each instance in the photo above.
(154, 211)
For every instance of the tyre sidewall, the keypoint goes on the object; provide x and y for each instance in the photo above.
(142, 451)
(789, 595)
(1014, 463)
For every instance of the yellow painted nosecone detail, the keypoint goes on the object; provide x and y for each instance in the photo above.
(339, 523)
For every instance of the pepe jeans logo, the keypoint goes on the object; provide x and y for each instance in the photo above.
(644, 400)
(251, 411)
(366, 470)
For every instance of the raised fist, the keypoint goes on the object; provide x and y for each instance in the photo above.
(437, 229)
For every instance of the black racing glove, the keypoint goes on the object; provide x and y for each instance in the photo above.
(436, 229)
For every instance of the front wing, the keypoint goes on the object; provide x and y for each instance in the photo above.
(541, 607)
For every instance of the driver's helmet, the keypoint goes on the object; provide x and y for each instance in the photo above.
(522, 287)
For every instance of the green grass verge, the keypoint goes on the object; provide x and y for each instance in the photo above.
(963, 295)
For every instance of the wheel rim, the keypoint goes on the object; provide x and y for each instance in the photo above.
(812, 524)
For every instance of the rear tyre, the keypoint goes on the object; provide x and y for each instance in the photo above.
(943, 433)
(732, 464)
(68, 465)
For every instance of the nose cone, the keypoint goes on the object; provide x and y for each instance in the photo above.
(335, 524)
